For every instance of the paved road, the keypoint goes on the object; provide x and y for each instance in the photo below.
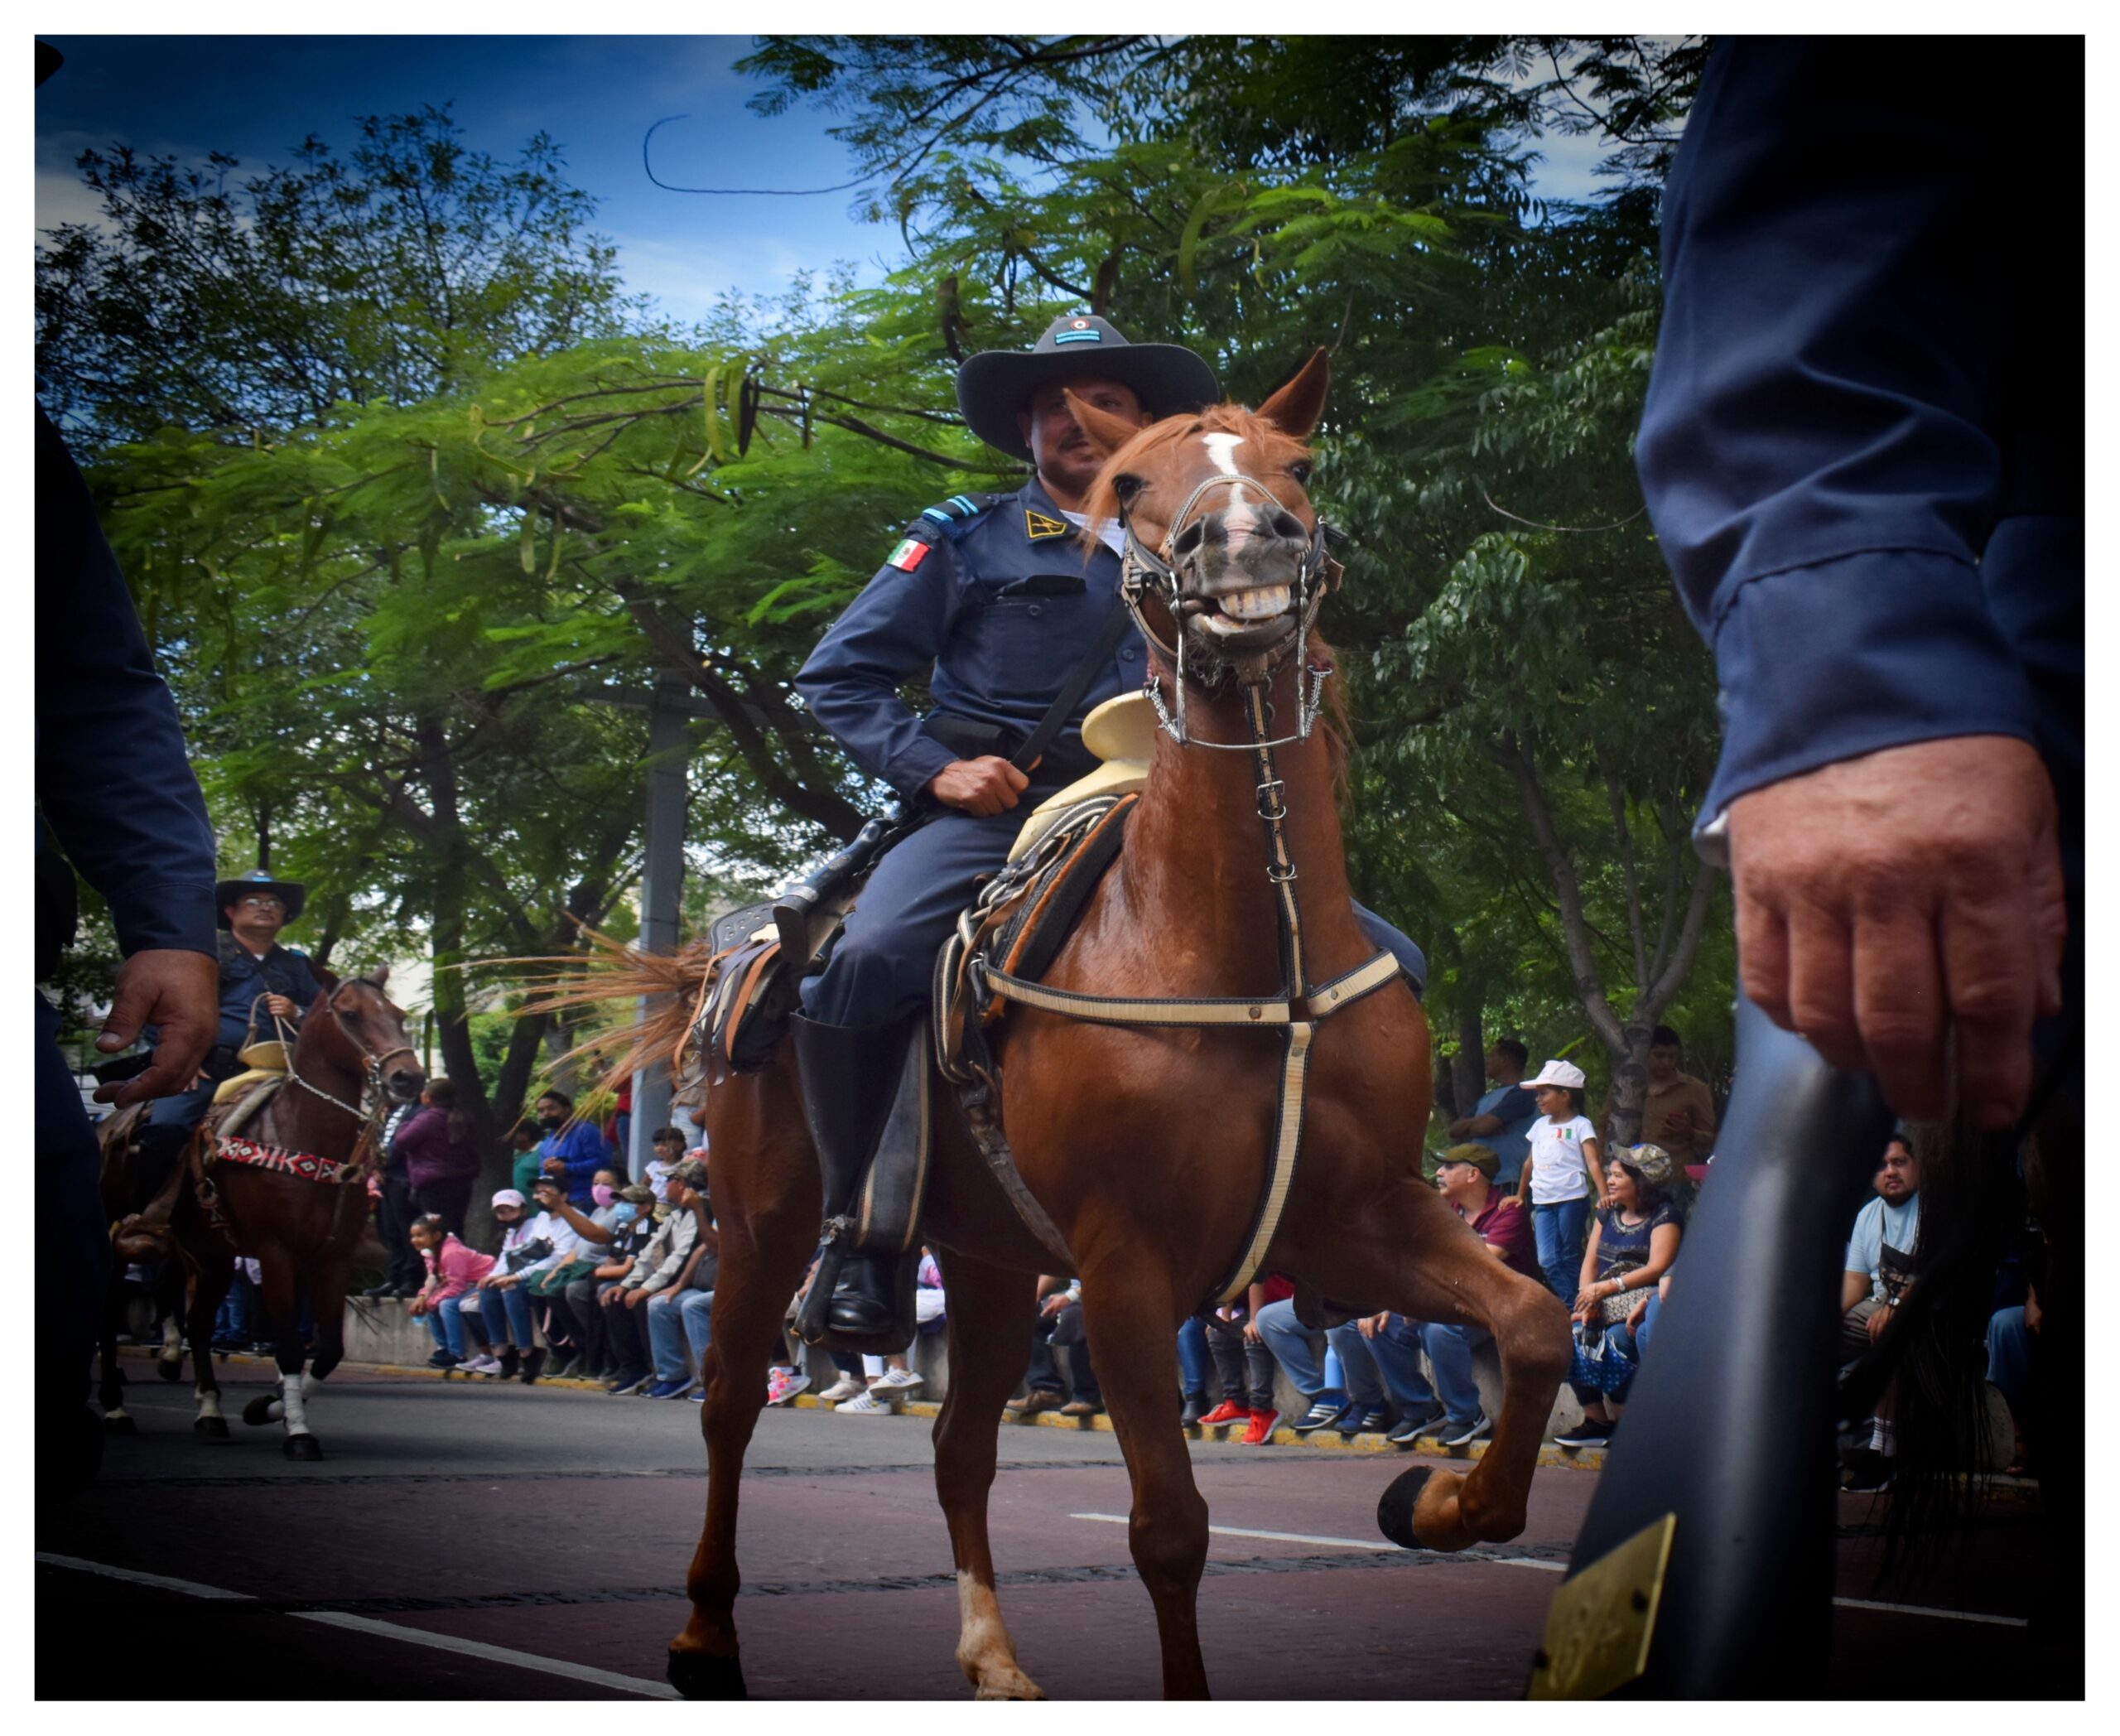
(498, 1542)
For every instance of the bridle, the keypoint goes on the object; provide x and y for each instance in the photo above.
(1143, 573)
(371, 1064)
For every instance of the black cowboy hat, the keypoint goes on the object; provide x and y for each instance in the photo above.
(290, 892)
(48, 59)
(995, 384)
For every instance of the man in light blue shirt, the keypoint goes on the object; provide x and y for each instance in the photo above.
(1501, 1120)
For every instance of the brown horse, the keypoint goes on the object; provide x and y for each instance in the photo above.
(1153, 1179)
(351, 1060)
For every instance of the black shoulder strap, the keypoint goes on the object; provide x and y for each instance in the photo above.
(1077, 683)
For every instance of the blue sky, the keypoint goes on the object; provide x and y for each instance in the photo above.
(256, 97)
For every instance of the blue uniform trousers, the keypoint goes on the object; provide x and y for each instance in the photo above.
(72, 1239)
(883, 967)
(187, 1109)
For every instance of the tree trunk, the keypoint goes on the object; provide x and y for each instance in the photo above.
(1468, 1067)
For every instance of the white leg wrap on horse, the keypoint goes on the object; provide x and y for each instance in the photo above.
(290, 1406)
(210, 1403)
(172, 1348)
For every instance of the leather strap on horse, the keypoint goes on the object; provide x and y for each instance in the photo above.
(1279, 1012)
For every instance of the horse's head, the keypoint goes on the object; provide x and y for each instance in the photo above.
(364, 1015)
(1221, 534)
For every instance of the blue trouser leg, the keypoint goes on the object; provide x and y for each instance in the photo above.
(1648, 1323)
(1289, 1340)
(2009, 1357)
(881, 966)
(1396, 1352)
(73, 1264)
(696, 1315)
(1559, 1229)
(1411, 959)
(1450, 1354)
(522, 1330)
(666, 1336)
(432, 1316)
(1193, 1357)
(449, 1313)
(186, 1109)
(1364, 1383)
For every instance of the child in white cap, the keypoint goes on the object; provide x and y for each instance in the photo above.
(1562, 1176)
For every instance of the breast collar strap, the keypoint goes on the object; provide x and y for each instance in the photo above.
(1296, 1011)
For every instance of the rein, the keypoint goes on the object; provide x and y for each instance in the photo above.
(371, 1120)
(1298, 1007)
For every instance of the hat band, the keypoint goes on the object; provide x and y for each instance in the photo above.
(1077, 337)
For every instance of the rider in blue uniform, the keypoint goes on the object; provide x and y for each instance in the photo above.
(993, 600)
(255, 966)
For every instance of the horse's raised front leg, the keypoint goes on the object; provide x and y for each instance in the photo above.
(208, 1284)
(1411, 1246)
(1132, 1323)
(761, 1264)
(989, 1315)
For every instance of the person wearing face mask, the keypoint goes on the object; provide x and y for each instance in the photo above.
(575, 1143)
(551, 1289)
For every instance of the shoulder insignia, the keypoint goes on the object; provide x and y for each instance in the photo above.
(1037, 527)
(907, 555)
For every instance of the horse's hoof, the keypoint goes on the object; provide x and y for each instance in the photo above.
(1394, 1512)
(259, 1412)
(120, 1425)
(170, 1368)
(303, 1447)
(697, 1675)
(214, 1428)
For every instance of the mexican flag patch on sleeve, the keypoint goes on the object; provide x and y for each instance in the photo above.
(907, 555)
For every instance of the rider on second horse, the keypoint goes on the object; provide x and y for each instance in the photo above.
(993, 600)
(253, 908)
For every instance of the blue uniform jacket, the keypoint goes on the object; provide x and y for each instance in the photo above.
(1869, 362)
(1000, 606)
(243, 979)
(112, 781)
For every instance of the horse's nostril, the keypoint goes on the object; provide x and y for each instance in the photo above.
(1288, 525)
(1188, 538)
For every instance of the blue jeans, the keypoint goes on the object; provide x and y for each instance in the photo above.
(1393, 1357)
(675, 1319)
(1559, 1229)
(1289, 1340)
(1193, 1357)
(232, 1324)
(446, 1321)
(515, 1309)
(2009, 1358)
(1648, 1322)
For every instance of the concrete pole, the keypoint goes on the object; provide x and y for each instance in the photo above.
(661, 887)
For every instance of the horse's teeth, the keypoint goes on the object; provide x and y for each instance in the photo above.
(1260, 604)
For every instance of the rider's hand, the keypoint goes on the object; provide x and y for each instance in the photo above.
(986, 785)
(1884, 900)
(281, 1007)
(178, 991)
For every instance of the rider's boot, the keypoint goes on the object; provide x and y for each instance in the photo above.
(862, 1296)
(158, 1160)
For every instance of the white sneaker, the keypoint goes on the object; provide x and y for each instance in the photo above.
(896, 1380)
(482, 1365)
(845, 1388)
(783, 1384)
(868, 1404)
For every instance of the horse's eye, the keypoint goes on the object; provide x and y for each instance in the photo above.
(1126, 487)
(1300, 471)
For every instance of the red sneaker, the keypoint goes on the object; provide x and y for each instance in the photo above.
(1262, 1425)
(1225, 1412)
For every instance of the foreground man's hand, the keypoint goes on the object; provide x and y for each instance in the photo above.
(177, 991)
(1886, 901)
(986, 785)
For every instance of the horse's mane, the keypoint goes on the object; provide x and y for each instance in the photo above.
(613, 971)
(1101, 506)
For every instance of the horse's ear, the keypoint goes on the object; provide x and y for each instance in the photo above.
(1106, 432)
(1295, 408)
(379, 976)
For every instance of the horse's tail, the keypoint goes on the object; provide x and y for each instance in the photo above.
(672, 982)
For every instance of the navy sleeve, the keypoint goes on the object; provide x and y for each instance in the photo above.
(1818, 448)
(112, 779)
(891, 632)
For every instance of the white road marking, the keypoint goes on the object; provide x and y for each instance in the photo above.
(1219, 448)
(1231, 1531)
(384, 1630)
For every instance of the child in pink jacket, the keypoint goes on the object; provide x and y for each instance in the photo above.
(452, 1270)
